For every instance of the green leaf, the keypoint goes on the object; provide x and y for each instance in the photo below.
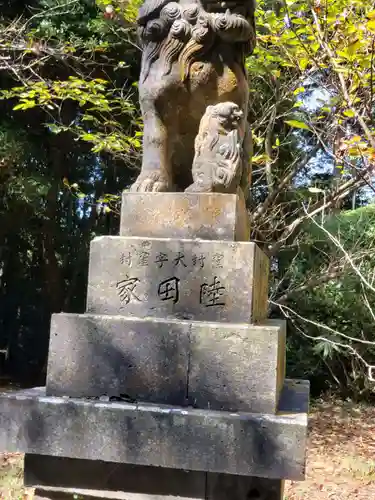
(297, 124)
(87, 137)
(259, 159)
(299, 21)
(353, 48)
(349, 113)
(55, 129)
(25, 105)
(300, 90)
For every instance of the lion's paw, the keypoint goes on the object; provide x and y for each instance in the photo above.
(198, 187)
(150, 182)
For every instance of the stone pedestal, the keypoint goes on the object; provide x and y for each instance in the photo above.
(172, 384)
(185, 279)
(207, 216)
(220, 366)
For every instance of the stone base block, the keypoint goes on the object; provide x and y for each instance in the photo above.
(93, 479)
(183, 279)
(207, 216)
(137, 359)
(237, 367)
(232, 443)
(205, 365)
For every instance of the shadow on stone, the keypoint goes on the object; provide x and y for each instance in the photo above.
(154, 370)
(89, 476)
(132, 359)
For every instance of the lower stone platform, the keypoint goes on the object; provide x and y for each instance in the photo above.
(72, 494)
(238, 488)
(57, 478)
(244, 444)
(242, 490)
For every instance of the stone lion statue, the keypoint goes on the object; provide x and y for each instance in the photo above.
(218, 162)
(193, 58)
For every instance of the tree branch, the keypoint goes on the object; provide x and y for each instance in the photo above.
(263, 207)
(341, 78)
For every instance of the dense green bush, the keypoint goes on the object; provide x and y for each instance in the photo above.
(339, 308)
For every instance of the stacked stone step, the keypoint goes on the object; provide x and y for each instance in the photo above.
(172, 384)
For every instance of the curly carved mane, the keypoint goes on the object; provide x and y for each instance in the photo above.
(171, 32)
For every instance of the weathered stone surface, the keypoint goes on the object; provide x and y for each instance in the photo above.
(88, 477)
(237, 368)
(217, 366)
(226, 487)
(261, 284)
(219, 157)
(207, 216)
(233, 443)
(185, 279)
(293, 397)
(47, 471)
(72, 493)
(113, 355)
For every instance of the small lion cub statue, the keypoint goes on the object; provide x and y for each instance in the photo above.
(217, 165)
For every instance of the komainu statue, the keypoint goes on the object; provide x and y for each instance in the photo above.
(218, 162)
(194, 95)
